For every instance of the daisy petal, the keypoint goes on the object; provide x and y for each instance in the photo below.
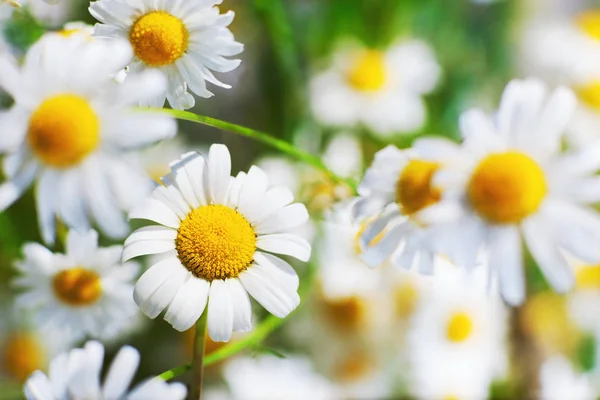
(284, 219)
(121, 372)
(219, 171)
(278, 300)
(242, 309)
(220, 311)
(157, 211)
(285, 243)
(506, 260)
(188, 304)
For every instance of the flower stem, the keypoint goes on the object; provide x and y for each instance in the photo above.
(261, 137)
(198, 360)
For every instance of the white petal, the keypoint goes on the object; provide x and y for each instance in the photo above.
(46, 204)
(375, 255)
(164, 294)
(188, 304)
(253, 190)
(219, 171)
(220, 312)
(39, 387)
(275, 199)
(278, 300)
(284, 219)
(278, 268)
(285, 243)
(154, 277)
(242, 308)
(157, 211)
(545, 252)
(555, 117)
(121, 372)
(153, 232)
(145, 247)
(81, 247)
(12, 190)
(506, 260)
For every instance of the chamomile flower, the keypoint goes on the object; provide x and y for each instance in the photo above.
(75, 375)
(381, 89)
(456, 339)
(210, 229)
(511, 183)
(395, 190)
(185, 40)
(85, 292)
(72, 130)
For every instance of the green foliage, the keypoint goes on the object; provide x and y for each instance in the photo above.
(22, 30)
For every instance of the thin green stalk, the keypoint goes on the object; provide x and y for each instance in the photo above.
(198, 361)
(261, 137)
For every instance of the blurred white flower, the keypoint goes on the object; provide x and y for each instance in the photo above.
(70, 130)
(509, 182)
(86, 292)
(210, 227)
(380, 89)
(272, 378)
(559, 381)
(75, 375)
(396, 189)
(184, 40)
(457, 338)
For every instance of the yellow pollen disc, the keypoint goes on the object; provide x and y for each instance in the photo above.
(413, 189)
(353, 367)
(588, 278)
(63, 130)
(346, 314)
(215, 242)
(590, 94)
(459, 328)
(368, 74)
(77, 286)
(507, 187)
(159, 38)
(22, 354)
(589, 23)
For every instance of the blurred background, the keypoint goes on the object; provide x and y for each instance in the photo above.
(342, 79)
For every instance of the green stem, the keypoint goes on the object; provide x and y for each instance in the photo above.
(261, 137)
(198, 361)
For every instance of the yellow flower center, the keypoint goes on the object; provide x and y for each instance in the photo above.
(215, 242)
(77, 286)
(451, 397)
(22, 355)
(589, 23)
(346, 314)
(588, 277)
(368, 74)
(507, 187)
(63, 130)
(459, 328)
(413, 189)
(353, 367)
(590, 94)
(159, 38)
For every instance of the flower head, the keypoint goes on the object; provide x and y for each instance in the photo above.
(214, 231)
(71, 131)
(184, 40)
(76, 375)
(83, 293)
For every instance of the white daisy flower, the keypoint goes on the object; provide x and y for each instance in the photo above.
(211, 226)
(86, 292)
(70, 131)
(184, 40)
(558, 380)
(395, 190)
(457, 338)
(510, 183)
(272, 378)
(380, 89)
(75, 375)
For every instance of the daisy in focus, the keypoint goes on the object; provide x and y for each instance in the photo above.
(510, 182)
(210, 229)
(71, 130)
(75, 375)
(186, 41)
(380, 89)
(85, 292)
(396, 189)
